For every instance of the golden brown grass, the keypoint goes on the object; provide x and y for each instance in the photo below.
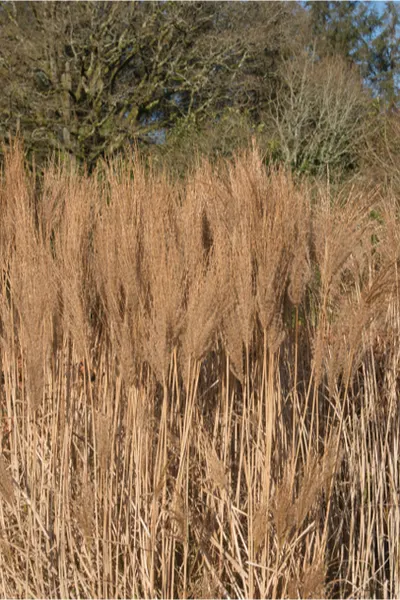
(200, 380)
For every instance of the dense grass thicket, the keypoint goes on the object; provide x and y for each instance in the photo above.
(200, 382)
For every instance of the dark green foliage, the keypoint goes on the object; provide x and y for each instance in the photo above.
(384, 70)
(359, 33)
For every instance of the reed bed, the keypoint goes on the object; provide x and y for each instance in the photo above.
(199, 392)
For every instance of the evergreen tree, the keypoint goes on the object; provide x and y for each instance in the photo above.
(354, 31)
(384, 68)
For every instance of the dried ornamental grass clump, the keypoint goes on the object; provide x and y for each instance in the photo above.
(212, 366)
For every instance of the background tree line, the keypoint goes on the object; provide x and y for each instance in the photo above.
(317, 83)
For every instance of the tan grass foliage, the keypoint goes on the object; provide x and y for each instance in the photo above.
(6, 483)
(199, 384)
